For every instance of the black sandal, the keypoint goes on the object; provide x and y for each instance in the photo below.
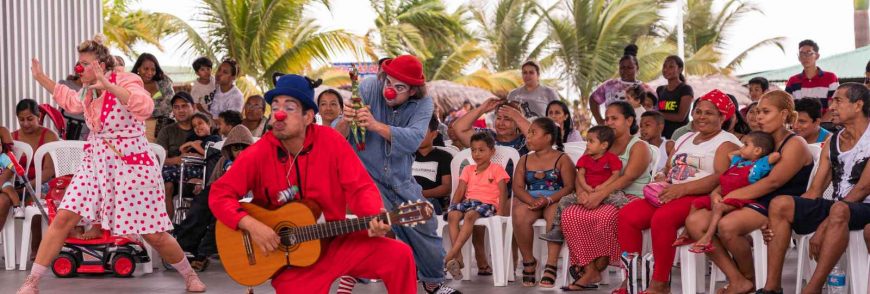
(762, 291)
(529, 276)
(484, 271)
(548, 281)
(576, 271)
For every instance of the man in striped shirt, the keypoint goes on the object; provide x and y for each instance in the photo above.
(812, 82)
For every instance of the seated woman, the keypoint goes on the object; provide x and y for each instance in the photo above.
(591, 226)
(732, 250)
(254, 115)
(558, 111)
(541, 179)
(699, 159)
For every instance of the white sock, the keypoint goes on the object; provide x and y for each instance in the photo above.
(38, 270)
(346, 284)
(183, 267)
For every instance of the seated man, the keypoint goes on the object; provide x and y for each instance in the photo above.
(843, 163)
(196, 233)
(431, 169)
(171, 137)
(298, 159)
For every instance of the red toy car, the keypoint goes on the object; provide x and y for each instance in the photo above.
(106, 254)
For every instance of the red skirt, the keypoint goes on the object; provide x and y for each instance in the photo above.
(591, 233)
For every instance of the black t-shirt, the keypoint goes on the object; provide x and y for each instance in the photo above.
(669, 102)
(429, 169)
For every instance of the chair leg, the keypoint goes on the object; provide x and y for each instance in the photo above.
(801, 262)
(497, 249)
(9, 242)
(688, 270)
(760, 258)
(857, 262)
(510, 268)
(25, 239)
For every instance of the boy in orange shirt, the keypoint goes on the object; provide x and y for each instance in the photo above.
(482, 188)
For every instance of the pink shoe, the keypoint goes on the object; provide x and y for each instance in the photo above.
(194, 284)
(30, 286)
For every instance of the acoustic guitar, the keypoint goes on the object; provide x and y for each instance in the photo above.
(300, 246)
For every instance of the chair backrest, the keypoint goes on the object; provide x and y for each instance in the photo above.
(816, 152)
(575, 152)
(654, 159)
(581, 144)
(160, 152)
(218, 145)
(23, 149)
(66, 156)
(449, 149)
(503, 155)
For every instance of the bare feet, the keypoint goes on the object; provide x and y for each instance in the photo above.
(94, 232)
(738, 287)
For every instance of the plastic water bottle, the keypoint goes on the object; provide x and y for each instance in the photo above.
(836, 281)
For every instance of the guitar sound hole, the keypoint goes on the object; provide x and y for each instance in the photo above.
(288, 236)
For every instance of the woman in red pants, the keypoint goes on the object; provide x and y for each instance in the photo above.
(693, 170)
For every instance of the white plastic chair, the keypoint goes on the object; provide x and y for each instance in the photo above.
(494, 224)
(148, 267)
(19, 149)
(66, 156)
(449, 149)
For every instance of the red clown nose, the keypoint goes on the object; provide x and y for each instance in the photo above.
(79, 68)
(390, 93)
(280, 115)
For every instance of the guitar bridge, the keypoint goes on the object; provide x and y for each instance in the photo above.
(249, 248)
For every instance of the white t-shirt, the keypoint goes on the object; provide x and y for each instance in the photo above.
(694, 161)
(229, 100)
(199, 92)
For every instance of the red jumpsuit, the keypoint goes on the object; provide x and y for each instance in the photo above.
(333, 177)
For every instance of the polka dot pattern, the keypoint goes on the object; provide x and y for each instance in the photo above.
(591, 233)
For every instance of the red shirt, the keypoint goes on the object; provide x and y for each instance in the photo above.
(330, 172)
(599, 170)
(820, 87)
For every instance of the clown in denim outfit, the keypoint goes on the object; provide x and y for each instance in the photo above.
(396, 117)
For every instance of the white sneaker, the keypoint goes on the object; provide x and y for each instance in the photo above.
(18, 212)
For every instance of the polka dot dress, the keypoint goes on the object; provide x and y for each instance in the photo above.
(591, 233)
(118, 183)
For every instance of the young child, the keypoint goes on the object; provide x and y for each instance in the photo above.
(596, 168)
(226, 96)
(7, 180)
(196, 145)
(482, 188)
(204, 83)
(226, 121)
(650, 102)
(652, 124)
(748, 165)
(635, 95)
(202, 135)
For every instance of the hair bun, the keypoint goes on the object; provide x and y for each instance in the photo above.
(99, 38)
(631, 49)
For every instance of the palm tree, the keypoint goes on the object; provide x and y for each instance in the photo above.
(267, 36)
(125, 28)
(412, 27)
(705, 34)
(589, 40)
(862, 25)
(509, 33)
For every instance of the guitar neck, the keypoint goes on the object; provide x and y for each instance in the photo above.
(329, 229)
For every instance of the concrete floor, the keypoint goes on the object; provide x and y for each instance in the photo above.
(162, 281)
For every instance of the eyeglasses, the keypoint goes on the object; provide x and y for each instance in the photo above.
(255, 106)
(400, 88)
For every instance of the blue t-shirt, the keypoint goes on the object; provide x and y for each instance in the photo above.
(823, 134)
(760, 167)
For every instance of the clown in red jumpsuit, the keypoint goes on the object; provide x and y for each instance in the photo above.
(321, 165)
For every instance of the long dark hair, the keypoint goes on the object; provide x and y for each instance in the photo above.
(680, 64)
(27, 104)
(333, 92)
(568, 124)
(627, 111)
(158, 72)
(741, 127)
(550, 128)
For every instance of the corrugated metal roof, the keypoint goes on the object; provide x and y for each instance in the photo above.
(845, 65)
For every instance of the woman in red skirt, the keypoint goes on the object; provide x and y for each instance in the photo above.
(590, 226)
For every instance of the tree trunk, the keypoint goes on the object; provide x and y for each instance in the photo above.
(862, 29)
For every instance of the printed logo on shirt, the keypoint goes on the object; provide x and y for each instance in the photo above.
(668, 105)
(428, 170)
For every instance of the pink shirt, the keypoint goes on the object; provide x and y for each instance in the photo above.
(139, 104)
(483, 186)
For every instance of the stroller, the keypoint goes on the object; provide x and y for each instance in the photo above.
(105, 254)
